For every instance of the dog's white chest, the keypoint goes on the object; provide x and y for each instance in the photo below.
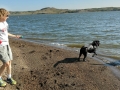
(90, 47)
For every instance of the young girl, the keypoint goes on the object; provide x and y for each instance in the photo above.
(5, 50)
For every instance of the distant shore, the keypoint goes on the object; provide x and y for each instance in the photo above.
(52, 10)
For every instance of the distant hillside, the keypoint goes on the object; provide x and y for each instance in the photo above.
(51, 10)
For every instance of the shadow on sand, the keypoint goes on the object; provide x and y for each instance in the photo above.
(66, 60)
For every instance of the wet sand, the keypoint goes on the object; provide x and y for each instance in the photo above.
(42, 67)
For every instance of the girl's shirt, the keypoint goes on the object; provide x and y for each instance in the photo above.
(4, 34)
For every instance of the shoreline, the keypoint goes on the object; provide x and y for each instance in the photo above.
(76, 48)
(43, 67)
(112, 63)
(107, 60)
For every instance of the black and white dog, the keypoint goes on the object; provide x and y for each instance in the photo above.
(90, 49)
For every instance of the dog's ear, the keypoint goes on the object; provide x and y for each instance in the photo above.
(94, 42)
(98, 42)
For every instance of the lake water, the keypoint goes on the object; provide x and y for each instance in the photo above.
(71, 30)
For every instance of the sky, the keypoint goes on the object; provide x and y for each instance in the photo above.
(30, 5)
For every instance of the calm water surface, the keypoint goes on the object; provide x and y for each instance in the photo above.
(71, 30)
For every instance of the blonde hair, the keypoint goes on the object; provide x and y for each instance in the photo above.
(3, 12)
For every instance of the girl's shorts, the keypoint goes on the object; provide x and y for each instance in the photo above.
(5, 53)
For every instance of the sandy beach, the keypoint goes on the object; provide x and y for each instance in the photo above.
(42, 67)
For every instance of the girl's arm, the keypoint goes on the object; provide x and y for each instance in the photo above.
(15, 36)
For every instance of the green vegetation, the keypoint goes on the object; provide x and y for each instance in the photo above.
(51, 10)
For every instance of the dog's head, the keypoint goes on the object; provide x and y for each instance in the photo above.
(96, 43)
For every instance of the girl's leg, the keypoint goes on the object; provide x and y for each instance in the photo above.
(9, 70)
(9, 78)
(3, 67)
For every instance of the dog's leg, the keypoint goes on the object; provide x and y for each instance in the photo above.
(85, 55)
(94, 53)
(79, 55)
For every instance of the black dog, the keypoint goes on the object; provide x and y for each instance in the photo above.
(90, 49)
